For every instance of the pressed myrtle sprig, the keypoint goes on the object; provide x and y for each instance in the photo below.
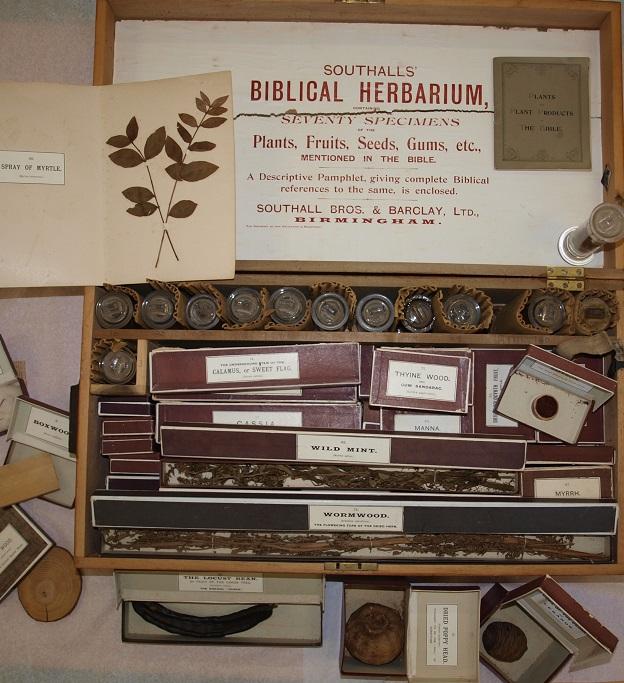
(128, 155)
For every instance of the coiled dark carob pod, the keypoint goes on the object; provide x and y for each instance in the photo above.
(202, 627)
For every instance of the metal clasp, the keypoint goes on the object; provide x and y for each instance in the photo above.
(351, 566)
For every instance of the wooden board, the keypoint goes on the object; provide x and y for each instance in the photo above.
(27, 479)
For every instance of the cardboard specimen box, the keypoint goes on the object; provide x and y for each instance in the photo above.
(262, 367)
(317, 445)
(553, 394)
(549, 454)
(37, 427)
(565, 483)
(22, 545)
(122, 427)
(328, 416)
(556, 629)
(134, 447)
(126, 407)
(593, 431)
(420, 380)
(491, 368)
(10, 387)
(296, 618)
(340, 511)
(338, 394)
(441, 631)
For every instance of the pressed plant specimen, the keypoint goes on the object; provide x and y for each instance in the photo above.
(129, 154)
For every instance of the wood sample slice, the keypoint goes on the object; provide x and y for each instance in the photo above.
(51, 590)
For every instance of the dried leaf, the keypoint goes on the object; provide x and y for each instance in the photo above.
(138, 194)
(142, 209)
(202, 146)
(197, 170)
(213, 122)
(175, 171)
(220, 101)
(204, 97)
(128, 158)
(174, 151)
(201, 105)
(188, 119)
(182, 209)
(155, 142)
(184, 134)
(215, 111)
(118, 141)
(132, 129)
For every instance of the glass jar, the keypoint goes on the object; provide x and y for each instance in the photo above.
(114, 309)
(330, 311)
(244, 305)
(118, 367)
(462, 310)
(418, 313)
(288, 306)
(605, 225)
(158, 309)
(594, 313)
(201, 312)
(546, 311)
(375, 313)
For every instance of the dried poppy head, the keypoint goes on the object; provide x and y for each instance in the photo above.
(504, 641)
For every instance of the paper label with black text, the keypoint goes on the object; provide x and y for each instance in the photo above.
(495, 378)
(221, 583)
(42, 168)
(11, 545)
(428, 422)
(257, 417)
(358, 449)
(252, 367)
(568, 487)
(441, 635)
(354, 518)
(48, 426)
(422, 381)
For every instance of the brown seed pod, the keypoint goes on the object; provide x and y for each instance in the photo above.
(504, 641)
(374, 634)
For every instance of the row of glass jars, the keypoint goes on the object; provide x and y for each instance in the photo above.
(330, 311)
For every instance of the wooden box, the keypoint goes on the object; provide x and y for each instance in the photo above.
(502, 281)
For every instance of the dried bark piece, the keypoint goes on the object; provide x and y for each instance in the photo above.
(504, 641)
(374, 634)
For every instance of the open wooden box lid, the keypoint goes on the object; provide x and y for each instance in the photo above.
(588, 641)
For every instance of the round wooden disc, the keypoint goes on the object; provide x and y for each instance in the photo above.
(51, 590)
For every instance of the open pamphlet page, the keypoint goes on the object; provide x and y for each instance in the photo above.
(117, 183)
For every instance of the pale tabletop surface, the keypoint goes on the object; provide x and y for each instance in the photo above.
(52, 40)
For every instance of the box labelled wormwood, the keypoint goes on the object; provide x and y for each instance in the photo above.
(371, 237)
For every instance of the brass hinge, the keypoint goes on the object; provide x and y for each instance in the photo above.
(351, 566)
(568, 278)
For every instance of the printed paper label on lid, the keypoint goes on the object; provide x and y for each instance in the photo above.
(422, 381)
(355, 518)
(221, 583)
(48, 426)
(373, 450)
(11, 545)
(441, 635)
(252, 368)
